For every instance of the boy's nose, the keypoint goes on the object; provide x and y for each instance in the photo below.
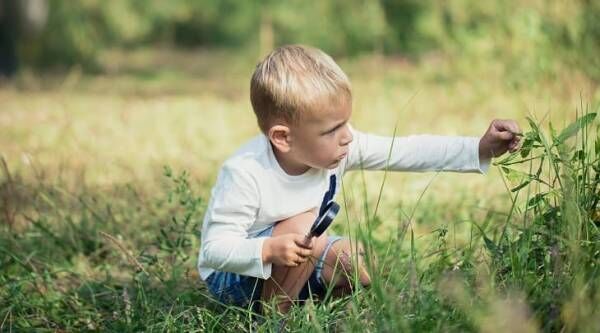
(347, 138)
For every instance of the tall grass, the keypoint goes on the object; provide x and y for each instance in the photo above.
(533, 268)
(84, 246)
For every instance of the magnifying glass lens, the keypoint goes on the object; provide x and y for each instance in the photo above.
(323, 222)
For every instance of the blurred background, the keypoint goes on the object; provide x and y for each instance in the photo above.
(118, 86)
(108, 92)
(532, 35)
(104, 104)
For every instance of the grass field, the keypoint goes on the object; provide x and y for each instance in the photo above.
(105, 179)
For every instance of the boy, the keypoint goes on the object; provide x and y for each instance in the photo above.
(268, 194)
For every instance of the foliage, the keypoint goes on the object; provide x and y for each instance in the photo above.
(558, 243)
(530, 39)
(121, 260)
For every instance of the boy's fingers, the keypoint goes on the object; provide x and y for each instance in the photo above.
(516, 141)
(301, 259)
(517, 129)
(505, 135)
(312, 242)
(507, 125)
(499, 125)
(303, 241)
(514, 126)
(303, 253)
(515, 145)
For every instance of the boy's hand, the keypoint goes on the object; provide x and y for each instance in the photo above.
(502, 135)
(287, 250)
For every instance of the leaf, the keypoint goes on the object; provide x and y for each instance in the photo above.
(533, 136)
(579, 155)
(532, 123)
(574, 127)
(526, 147)
(520, 186)
(375, 222)
(553, 134)
(551, 214)
(489, 244)
(535, 201)
(515, 176)
(507, 159)
(167, 171)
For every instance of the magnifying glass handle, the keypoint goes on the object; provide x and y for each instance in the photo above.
(308, 237)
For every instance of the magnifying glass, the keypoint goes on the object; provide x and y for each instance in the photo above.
(324, 220)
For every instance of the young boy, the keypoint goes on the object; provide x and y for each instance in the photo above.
(268, 194)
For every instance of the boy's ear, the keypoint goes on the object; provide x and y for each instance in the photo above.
(279, 135)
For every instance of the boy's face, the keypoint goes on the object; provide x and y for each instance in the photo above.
(321, 138)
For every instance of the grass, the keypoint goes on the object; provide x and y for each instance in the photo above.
(97, 234)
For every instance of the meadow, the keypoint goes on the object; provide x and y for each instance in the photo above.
(104, 179)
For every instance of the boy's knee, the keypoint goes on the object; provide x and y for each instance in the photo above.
(299, 224)
(352, 260)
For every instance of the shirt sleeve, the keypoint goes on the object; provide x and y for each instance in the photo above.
(231, 212)
(415, 153)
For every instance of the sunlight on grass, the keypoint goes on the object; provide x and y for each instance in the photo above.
(97, 234)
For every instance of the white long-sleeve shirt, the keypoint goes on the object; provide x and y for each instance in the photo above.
(252, 191)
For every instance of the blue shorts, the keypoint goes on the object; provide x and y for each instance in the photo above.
(242, 290)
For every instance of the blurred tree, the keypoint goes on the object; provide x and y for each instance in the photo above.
(8, 38)
(528, 37)
(266, 33)
(18, 19)
(339, 27)
(403, 33)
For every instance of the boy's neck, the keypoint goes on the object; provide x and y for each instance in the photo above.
(289, 166)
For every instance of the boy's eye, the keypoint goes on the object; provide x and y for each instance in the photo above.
(331, 131)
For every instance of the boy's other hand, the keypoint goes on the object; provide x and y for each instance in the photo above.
(287, 250)
(500, 137)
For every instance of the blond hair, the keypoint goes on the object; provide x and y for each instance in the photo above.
(293, 79)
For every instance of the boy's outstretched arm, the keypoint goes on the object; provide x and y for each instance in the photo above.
(425, 152)
(500, 137)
